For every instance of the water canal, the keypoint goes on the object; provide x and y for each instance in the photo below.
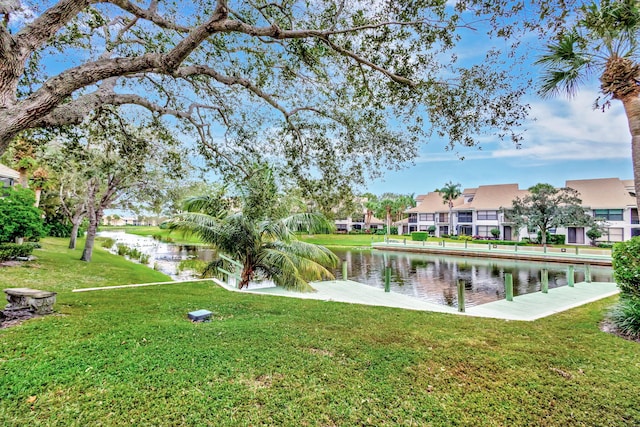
(428, 277)
(434, 278)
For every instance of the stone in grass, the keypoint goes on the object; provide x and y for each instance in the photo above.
(35, 300)
(200, 316)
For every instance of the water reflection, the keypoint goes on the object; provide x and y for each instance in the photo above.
(434, 277)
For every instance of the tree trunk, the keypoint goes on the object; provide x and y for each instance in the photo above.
(632, 110)
(450, 218)
(24, 178)
(87, 253)
(245, 278)
(74, 233)
(38, 194)
(388, 220)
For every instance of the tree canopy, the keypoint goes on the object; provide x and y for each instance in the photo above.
(257, 233)
(603, 41)
(355, 85)
(548, 207)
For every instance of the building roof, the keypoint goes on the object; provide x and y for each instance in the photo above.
(432, 203)
(603, 193)
(7, 172)
(493, 197)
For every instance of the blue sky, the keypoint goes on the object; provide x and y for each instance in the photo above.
(567, 140)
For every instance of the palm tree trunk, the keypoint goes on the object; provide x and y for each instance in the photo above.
(38, 194)
(245, 278)
(632, 110)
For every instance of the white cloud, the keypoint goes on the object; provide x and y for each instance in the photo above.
(573, 130)
(562, 130)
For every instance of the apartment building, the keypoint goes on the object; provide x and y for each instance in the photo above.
(479, 210)
(8, 176)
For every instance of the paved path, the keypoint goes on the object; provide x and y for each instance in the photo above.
(525, 307)
(529, 253)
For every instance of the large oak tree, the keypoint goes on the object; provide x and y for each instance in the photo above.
(362, 81)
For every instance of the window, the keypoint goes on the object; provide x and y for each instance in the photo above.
(423, 228)
(443, 217)
(613, 234)
(465, 216)
(484, 230)
(465, 230)
(487, 215)
(425, 217)
(608, 214)
(444, 229)
(413, 217)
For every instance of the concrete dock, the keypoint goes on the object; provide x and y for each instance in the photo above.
(489, 250)
(524, 307)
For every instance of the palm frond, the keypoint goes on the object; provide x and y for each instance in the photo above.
(566, 65)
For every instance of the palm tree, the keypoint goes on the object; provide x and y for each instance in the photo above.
(603, 40)
(265, 245)
(449, 193)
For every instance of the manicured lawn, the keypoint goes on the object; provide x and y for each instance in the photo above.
(131, 357)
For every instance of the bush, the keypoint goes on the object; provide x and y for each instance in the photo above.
(108, 243)
(605, 245)
(431, 230)
(419, 236)
(134, 253)
(122, 249)
(626, 316)
(626, 266)
(394, 230)
(144, 259)
(495, 232)
(466, 238)
(18, 216)
(380, 231)
(12, 251)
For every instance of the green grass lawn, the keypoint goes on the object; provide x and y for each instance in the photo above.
(131, 357)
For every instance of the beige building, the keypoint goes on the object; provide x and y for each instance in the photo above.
(478, 211)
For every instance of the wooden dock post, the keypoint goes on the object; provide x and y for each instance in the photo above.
(570, 276)
(587, 273)
(344, 270)
(387, 279)
(461, 296)
(544, 287)
(508, 286)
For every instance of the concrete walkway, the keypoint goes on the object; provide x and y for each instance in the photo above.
(528, 253)
(525, 307)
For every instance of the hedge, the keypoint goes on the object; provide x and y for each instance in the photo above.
(419, 236)
(13, 250)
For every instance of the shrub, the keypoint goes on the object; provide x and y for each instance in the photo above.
(134, 253)
(444, 236)
(18, 216)
(419, 236)
(454, 237)
(626, 266)
(196, 265)
(466, 238)
(144, 259)
(122, 249)
(626, 316)
(394, 230)
(108, 243)
(594, 234)
(380, 231)
(495, 232)
(12, 251)
(605, 245)
(431, 229)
